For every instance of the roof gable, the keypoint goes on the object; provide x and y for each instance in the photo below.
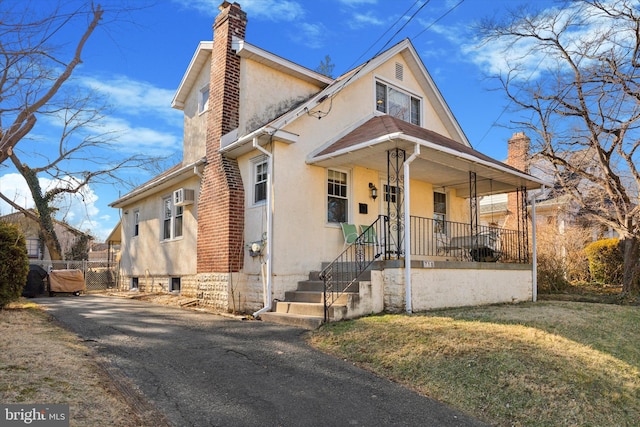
(409, 54)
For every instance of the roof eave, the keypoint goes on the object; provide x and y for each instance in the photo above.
(156, 185)
(191, 74)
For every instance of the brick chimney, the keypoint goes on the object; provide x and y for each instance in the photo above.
(517, 157)
(518, 151)
(221, 204)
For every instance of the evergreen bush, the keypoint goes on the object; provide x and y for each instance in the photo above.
(605, 261)
(14, 263)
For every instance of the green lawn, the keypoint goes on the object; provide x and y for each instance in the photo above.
(548, 363)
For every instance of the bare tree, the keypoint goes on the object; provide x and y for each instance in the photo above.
(35, 83)
(582, 101)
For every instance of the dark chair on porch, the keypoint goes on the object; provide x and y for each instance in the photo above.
(444, 247)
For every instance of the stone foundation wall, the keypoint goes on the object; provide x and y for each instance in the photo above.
(213, 290)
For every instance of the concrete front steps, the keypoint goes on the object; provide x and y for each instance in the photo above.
(304, 307)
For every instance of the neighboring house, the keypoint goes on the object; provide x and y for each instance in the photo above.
(553, 206)
(104, 252)
(68, 236)
(277, 156)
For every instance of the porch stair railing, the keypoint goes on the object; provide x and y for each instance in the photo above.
(340, 275)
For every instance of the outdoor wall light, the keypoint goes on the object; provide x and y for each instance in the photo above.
(374, 191)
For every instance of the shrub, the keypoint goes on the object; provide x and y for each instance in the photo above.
(551, 274)
(14, 263)
(561, 259)
(605, 261)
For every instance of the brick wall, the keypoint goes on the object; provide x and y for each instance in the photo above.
(518, 157)
(221, 204)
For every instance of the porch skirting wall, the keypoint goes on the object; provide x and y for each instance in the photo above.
(447, 284)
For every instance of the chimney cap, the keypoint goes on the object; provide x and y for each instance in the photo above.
(225, 4)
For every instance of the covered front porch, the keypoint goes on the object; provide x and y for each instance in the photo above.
(419, 239)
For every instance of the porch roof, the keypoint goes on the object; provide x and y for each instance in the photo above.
(443, 162)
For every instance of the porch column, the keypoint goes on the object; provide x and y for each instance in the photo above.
(394, 194)
(523, 224)
(407, 230)
(473, 203)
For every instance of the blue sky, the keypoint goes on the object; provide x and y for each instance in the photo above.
(137, 60)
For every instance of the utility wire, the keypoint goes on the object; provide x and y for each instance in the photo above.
(451, 9)
(382, 35)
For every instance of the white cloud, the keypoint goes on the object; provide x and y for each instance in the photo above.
(78, 210)
(140, 140)
(271, 10)
(356, 3)
(361, 20)
(310, 35)
(499, 56)
(134, 97)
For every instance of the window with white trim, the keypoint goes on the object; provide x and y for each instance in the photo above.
(260, 172)
(203, 99)
(171, 219)
(440, 212)
(136, 222)
(33, 248)
(337, 196)
(398, 103)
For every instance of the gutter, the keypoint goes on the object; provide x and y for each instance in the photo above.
(267, 282)
(407, 231)
(136, 192)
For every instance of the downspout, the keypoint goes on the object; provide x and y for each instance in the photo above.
(534, 252)
(407, 229)
(266, 281)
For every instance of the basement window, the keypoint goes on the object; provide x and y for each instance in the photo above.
(175, 284)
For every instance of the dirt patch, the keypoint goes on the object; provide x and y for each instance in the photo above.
(42, 363)
(175, 301)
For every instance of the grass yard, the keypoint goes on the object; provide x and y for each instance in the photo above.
(533, 364)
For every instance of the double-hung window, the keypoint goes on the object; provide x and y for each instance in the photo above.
(136, 222)
(171, 219)
(33, 248)
(260, 172)
(440, 212)
(337, 196)
(397, 103)
(203, 99)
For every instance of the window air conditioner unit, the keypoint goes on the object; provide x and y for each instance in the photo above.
(183, 197)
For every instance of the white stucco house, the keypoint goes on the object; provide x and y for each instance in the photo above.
(279, 160)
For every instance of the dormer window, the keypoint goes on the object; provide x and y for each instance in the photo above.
(397, 103)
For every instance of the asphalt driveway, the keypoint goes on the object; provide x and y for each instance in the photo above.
(201, 369)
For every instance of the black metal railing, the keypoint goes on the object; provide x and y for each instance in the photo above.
(455, 240)
(360, 252)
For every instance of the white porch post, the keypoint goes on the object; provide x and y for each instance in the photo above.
(407, 229)
(534, 255)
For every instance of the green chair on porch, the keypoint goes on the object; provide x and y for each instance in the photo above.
(350, 233)
(369, 236)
